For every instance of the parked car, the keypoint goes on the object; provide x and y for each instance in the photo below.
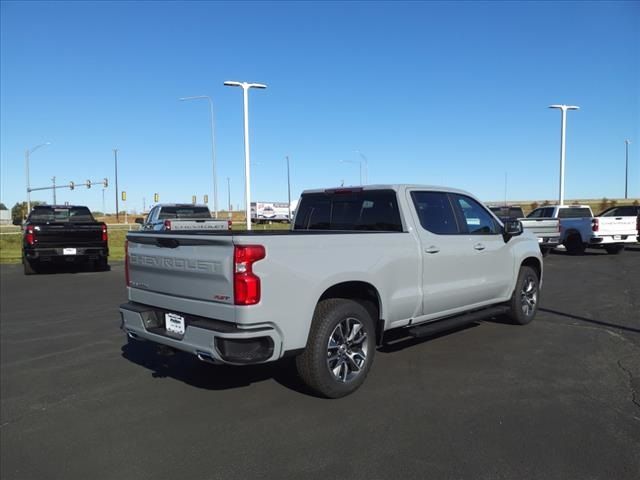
(179, 216)
(580, 229)
(63, 234)
(358, 263)
(546, 230)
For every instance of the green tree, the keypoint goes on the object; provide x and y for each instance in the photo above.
(19, 211)
(2, 206)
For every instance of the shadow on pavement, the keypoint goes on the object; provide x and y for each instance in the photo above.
(186, 368)
(396, 340)
(589, 320)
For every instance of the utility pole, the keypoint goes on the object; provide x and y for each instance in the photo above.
(144, 204)
(626, 168)
(104, 208)
(289, 188)
(54, 190)
(229, 195)
(115, 157)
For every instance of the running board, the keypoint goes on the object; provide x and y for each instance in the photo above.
(438, 326)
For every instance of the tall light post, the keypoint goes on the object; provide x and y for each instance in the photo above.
(27, 155)
(366, 166)
(213, 148)
(563, 129)
(626, 168)
(247, 167)
(289, 188)
(115, 159)
(53, 181)
(353, 161)
(229, 195)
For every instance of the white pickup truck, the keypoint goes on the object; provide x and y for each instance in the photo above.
(357, 263)
(546, 230)
(182, 217)
(611, 230)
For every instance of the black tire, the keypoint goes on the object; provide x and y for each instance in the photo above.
(574, 244)
(313, 364)
(524, 302)
(545, 251)
(29, 267)
(100, 265)
(614, 249)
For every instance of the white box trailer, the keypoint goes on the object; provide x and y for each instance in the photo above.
(262, 212)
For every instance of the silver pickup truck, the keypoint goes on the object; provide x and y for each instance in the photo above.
(357, 263)
(546, 230)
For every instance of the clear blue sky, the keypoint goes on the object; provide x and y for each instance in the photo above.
(435, 93)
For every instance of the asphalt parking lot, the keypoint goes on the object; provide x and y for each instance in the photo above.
(558, 399)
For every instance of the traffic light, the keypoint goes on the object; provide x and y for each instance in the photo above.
(193, 199)
(156, 198)
(124, 196)
(105, 182)
(72, 185)
(88, 183)
(206, 199)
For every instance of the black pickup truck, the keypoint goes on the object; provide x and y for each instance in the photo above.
(63, 234)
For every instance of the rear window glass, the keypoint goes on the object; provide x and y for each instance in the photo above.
(184, 212)
(574, 212)
(627, 211)
(375, 210)
(61, 214)
(510, 212)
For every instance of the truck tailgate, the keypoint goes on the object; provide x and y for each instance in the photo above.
(542, 227)
(68, 234)
(177, 225)
(616, 226)
(174, 267)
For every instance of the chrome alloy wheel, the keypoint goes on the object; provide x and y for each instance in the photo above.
(529, 295)
(347, 349)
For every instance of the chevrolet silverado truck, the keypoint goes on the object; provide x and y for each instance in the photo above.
(357, 263)
(546, 230)
(63, 234)
(611, 230)
(181, 216)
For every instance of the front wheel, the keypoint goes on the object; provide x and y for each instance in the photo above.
(340, 348)
(526, 297)
(614, 249)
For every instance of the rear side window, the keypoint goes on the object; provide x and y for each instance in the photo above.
(61, 215)
(574, 212)
(374, 210)
(627, 211)
(435, 212)
(475, 217)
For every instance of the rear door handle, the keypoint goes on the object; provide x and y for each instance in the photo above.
(479, 246)
(431, 249)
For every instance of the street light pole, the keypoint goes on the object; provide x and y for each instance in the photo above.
(626, 168)
(229, 195)
(27, 155)
(213, 148)
(289, 188)
(53, 179)
(563, 129)
(366, 166)
(115, 155)
(247, 156)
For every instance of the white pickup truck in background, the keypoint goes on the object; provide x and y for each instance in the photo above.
(182, 217)
(579, 229)
(546, 230)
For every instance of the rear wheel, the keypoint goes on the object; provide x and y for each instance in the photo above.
(614, 249)
(340, 348)
(526, 297)
(545, 251)
(574, 245)
(100, 265)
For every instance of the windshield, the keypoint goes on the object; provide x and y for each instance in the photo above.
(61, 215)
(184, 212)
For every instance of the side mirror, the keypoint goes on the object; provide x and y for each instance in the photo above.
(512, 228)
(139, 220)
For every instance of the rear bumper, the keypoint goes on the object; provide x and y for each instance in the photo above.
(82, 254)
(210, 340)
(611, 239)
(548, 242)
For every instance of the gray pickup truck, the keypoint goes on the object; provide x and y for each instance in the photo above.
(357, 263)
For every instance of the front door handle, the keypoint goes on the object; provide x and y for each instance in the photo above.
(479, 246)
(431, 249)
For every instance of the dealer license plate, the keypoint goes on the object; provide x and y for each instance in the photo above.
(174, 323)
(617, 237)
(68, 251)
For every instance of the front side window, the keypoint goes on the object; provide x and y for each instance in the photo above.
(475, 217)
(435, 212)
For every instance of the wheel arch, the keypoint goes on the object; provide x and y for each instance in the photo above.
(534, 263)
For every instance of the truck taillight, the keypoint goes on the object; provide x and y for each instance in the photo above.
(167, 224)
(246, 284)
(105, 235)
(229, 223)
(126, 262)
(595, 224)
(30, 236)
